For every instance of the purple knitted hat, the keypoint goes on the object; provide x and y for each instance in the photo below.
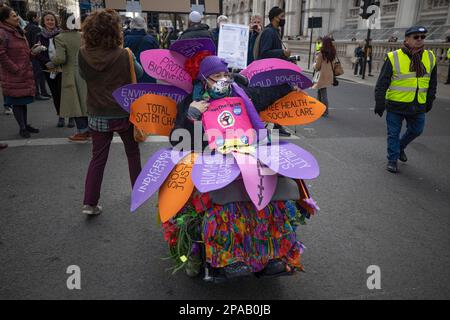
(211, 65)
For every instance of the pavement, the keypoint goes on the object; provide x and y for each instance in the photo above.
(443, 90)
(368, 217)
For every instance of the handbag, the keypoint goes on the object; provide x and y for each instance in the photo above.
(138, 134)
(338, 69)
(335, 81)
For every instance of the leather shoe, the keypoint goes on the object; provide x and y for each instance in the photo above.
(39, 97)
(3, 146)
(24, 134)
(281, 131)
(392, 167)
(31, 129)
(403, 157)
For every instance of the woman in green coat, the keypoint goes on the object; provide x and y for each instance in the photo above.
(73, 88)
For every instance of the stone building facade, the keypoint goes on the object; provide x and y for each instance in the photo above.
(341, 17)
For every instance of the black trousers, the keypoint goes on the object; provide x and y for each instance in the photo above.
(55, 89)
(359, 64)
(39, 78)
(448, 76)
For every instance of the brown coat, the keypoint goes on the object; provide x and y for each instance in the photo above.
(326, 72)
(104, 70)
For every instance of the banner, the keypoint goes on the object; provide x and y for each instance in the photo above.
(297, 108)
(263, 65)
(126, 95)
(154, 114)
(168, 66)
(233, 45)
(278, 77)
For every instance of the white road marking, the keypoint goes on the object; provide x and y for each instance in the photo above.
(65, 141)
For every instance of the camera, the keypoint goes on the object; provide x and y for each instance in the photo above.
(294, 58)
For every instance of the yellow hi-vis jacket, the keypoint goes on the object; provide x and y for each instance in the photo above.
(404, 83)
(448, 53)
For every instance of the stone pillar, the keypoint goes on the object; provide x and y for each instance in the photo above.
(407, 12)
(448, 15)
(293, 17)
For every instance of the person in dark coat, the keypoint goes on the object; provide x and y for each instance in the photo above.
(216, 31)
(406, 89)
(50, 29)
(196, 29)
(255, 30)
(32, 32)
(16, 73)
(138, 41)
(270, 43)
(359, 55)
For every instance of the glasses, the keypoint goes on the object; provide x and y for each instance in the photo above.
(419, 37)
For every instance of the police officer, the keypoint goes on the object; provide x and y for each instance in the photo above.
(406, 89)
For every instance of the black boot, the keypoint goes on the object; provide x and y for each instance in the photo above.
(31, 129)
(24, 134)
(403, 157)
(281, 130)
(392, 167)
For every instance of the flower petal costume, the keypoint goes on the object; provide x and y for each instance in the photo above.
(234, 207)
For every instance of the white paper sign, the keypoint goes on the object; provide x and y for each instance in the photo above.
(233, 45)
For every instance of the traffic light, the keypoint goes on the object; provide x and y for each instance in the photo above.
(365, 4)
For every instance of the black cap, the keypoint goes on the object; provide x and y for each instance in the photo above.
(416, 29)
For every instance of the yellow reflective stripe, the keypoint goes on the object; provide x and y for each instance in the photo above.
(431, 56)
(402, 89)
(396, 63)
(405, 76)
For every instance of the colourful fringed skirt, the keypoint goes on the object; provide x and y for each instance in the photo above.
(236, 232)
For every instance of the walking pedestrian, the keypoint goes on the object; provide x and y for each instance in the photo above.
(359, 59)
(196, 28)
(406, 88)
(137, 40)
(106, 66)
(448, 58)
(52, 72)
(270, 44)
(255, 30)
(324, 66)
(73, 92)
(368, 51)
(32, 31)
(16, 73)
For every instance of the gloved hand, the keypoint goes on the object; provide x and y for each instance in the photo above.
(37, 48)
(429, 106)
(50, 65)
(379, 110)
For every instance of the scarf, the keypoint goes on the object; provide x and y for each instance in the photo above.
(415, 54)
(50, 33)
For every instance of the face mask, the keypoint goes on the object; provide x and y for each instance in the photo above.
(221, 87)
(282, 22)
